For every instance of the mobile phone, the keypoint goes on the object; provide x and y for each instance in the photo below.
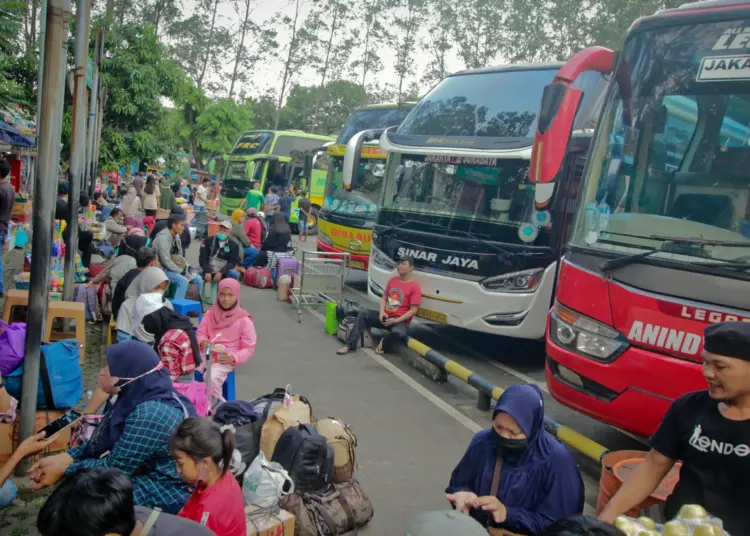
(58, 424)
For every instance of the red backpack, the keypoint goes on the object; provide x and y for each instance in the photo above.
(258, 277)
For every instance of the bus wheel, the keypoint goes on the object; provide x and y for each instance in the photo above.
(312, 223)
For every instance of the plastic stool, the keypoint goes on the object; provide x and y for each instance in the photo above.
(185, 306)
(228, 390)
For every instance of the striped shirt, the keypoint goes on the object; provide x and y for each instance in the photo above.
(142, 453)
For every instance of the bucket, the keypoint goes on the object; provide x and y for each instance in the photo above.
(617, 466)
(213, 228)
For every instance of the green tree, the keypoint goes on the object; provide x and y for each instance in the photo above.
(162, 14)
(334, 103)
(405, 19)
(479, 31)
(264, 111)
(612, 18)
(295, 57)
(262, 45)
(220, 125)
(371, 33)
(442, 14)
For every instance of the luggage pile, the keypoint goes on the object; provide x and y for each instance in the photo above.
(286, 459)
(264, 277)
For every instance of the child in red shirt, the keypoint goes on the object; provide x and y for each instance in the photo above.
(203, 453)
(398, 305)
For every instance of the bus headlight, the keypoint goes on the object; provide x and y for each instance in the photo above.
(325, 239)
(585, 336)
(381, 260)
(525, 281)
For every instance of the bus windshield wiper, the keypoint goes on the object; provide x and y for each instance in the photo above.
(621, 262)
(404, 223)
(702, 241)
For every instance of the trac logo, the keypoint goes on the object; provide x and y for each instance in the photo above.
(705, 444)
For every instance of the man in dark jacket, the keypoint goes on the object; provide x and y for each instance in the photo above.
(219, 256)
(160, 225)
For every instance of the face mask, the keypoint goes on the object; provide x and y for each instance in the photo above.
(221, 236)
(510, 446)
(114, 380)
(107, 382)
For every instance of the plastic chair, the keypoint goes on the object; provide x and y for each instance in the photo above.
(184, 306)
(228, 390)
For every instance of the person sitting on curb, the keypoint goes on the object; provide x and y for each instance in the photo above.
(239, 237)
(219, 256)
(398, 305)
(101, 501)
(168, 245)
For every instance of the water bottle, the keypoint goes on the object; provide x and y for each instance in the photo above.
(591, 216)
(603, 211)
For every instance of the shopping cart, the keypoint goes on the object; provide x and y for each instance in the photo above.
(321, 280)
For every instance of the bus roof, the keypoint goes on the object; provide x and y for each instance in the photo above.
(386, 106)
(722, 9)
(297, 133)
(509, 67)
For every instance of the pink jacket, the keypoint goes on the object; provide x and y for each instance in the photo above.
(239, 340)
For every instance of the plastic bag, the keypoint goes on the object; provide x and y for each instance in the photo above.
(692, 520)
(265, 482)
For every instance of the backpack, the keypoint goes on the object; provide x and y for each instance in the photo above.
(344, 444)
(307, 456)
(266, 404)
(60, 376)
(87, 295)
(342, 509)
(12, 346)
(258, 277)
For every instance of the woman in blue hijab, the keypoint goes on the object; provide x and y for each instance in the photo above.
(133, 435)
(515, 475)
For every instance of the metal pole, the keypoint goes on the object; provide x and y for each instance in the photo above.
(93, 109)
(78, 137)
(39, 84)
(43, 212)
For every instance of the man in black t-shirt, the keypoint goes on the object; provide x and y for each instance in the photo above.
(710, 432)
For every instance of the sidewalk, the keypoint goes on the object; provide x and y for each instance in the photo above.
(408, 446)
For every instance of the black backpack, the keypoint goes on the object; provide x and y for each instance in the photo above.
(307, 456)
(265, 405)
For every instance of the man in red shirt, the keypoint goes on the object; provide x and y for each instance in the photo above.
(399, 304)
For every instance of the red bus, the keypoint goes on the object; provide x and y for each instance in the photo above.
(660, 245)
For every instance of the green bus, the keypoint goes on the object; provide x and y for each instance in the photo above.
(271, 158)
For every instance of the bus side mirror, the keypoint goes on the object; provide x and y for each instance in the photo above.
(353, 153)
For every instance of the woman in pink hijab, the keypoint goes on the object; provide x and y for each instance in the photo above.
(230, 330)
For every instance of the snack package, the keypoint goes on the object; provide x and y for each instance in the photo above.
(692, 520)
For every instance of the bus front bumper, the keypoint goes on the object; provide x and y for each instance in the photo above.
(466, 304)
(357, 262)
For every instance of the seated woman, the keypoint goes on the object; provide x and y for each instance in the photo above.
(204, 451)
(151, 280)
(134, 433)
(131, 203)
(172, 335)
(239, 237)
(117, 267)
(278, 243)
(115, 227)
(515, 475)
(230, 331)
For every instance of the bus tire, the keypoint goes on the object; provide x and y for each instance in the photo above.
(312, 227)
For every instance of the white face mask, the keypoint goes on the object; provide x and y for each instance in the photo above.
(119, 386)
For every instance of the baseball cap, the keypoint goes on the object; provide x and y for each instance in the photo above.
(226, 224)
(444, 523)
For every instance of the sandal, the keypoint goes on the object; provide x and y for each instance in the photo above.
(379, 349)
(343, 351)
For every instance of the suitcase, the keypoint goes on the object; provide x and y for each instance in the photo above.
(287, 266)
(258, 277)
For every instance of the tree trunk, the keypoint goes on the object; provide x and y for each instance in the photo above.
(325, 68)
(366, 56)
(208, 48)
(240, 48)
(158, 17)
(31, 41)
(287, 67)
(121, 14)
(405, 53)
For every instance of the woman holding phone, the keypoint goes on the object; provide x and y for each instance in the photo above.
(134, 434)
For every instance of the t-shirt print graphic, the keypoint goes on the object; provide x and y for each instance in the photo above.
(704, 443)
(395, 299)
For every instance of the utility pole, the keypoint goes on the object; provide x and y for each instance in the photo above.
(78, 139)
(39, 86)
(45, 186)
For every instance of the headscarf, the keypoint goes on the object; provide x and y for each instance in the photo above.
(144, 283)
(128, 199)
(252, 212)
(145, 304)
(218, 319)
(134, 221)
(237, 215)
(164, 319)
(279, 223)
(133, 359)
(131, 244)
(544, 473)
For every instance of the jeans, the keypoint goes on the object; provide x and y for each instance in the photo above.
(181, 283)
(122, 336)
(3, 237)
(8, 494)
(368, 318)
(234, 274)
(250, 253)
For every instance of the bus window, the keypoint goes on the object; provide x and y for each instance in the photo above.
(286, 144)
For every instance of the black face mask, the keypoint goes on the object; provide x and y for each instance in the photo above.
(510, 446)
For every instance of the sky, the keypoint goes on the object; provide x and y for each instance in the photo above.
(268, 77)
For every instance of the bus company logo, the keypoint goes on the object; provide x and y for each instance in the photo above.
(460, 160)
(733, 39)
(338, 232)
(707, 316)
(705, 444)
(666, 338)
(715, 68)
(452, 141)
(448, 260)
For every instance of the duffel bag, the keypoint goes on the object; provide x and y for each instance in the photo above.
(12, 346)
(266, 404)
(342, 509)
(307, 457)
(283, 417)
(344, 444)
(258, 277)
(347, 307)
(60, 376)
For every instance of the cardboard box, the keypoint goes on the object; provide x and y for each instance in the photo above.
(269, 522)
(9, 435)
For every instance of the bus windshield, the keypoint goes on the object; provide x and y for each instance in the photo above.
(361, 200)
(373, 118)
(253, 143)
(670, 167)
(489, 196)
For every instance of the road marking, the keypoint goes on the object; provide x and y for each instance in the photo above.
(411, 382)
